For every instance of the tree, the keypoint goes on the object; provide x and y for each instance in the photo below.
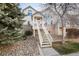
(10, 21)
(61, 9)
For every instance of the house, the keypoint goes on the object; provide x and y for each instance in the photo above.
(47, 16)
(31, 15)
(69, 22)
(37, 17)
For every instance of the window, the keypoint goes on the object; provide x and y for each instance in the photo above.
(46, 16)
(30, 12)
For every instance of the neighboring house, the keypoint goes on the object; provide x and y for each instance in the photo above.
(74, 21)
(70, 21)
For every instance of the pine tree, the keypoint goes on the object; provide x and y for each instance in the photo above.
(10, 22)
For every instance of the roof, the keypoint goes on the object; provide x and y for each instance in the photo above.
(41, 12)
(29, 7)
(48, 9)
(37, 13)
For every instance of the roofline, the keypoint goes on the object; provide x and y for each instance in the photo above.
(29, 7)
(46, 9)
(38, 12)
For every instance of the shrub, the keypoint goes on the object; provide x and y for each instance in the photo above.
(28, 33)
(10, 37)
(72, 33)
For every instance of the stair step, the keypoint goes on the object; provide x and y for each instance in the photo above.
(45, 43)
(45, 39)
(46, 46)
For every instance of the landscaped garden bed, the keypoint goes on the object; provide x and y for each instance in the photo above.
(67, 48)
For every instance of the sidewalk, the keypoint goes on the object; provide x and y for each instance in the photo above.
(48, 52)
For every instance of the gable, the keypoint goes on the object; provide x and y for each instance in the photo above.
(29, 9)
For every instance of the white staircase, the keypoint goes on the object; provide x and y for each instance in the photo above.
(44, 36)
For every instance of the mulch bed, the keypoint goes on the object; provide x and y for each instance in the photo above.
(26, 47)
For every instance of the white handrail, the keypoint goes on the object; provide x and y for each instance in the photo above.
(47, 34)
(39, 34)
(41, 38)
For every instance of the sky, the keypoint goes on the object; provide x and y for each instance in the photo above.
(36, 6)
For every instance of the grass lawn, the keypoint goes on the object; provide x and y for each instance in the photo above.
(68, 47)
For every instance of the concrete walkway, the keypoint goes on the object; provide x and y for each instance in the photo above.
(48, 52)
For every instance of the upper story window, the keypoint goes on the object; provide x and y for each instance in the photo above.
(48, 16)
(30, 12)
